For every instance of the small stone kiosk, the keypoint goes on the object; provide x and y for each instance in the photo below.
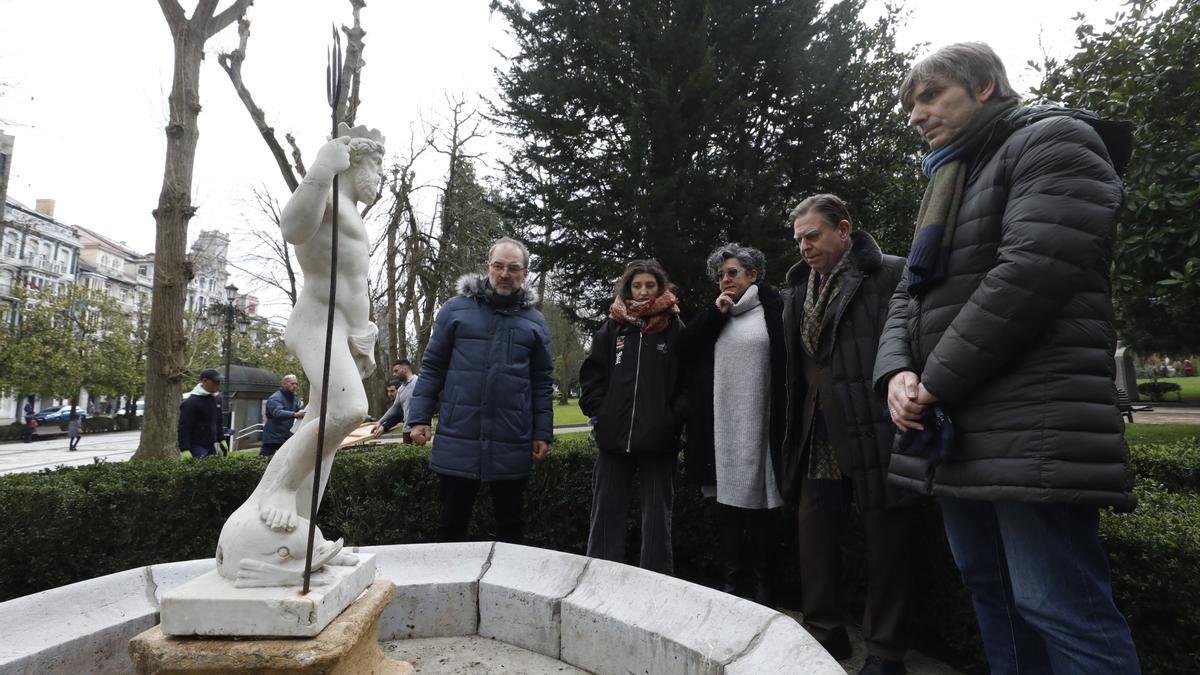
(250, 614)
(247, 389)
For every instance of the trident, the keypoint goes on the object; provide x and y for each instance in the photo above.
(333, 93)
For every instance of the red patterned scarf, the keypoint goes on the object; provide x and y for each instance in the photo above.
(651, 316)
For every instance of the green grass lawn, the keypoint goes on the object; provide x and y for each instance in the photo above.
(573, 436)
(1190, 389)
(1161, 433)
(570, 414)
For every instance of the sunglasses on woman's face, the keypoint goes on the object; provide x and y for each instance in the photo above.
(731, 273)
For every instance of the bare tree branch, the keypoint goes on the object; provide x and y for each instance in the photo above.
(268, 258)
(297, 161)
(220, 21)
(231, 63)
(353, 65)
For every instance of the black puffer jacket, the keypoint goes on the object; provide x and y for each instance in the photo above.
(695, 348)
(630, 384)
(1018, 341)
(199, 421)
(840, 376)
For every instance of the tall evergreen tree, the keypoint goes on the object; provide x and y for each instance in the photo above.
(1142, 67)
(660, 128)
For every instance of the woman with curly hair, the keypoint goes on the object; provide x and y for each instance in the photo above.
(736, 360)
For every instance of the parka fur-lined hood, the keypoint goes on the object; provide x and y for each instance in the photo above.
(475, 285)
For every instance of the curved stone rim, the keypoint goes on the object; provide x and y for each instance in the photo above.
(596, 615)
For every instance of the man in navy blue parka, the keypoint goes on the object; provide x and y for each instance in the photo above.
(489, 371)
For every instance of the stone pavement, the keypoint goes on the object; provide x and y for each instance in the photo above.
(915, 662)
(118, 446)
(1165, 414)
(49, 452)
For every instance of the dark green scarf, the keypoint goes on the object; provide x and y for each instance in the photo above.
(814, 308)
(947, 170)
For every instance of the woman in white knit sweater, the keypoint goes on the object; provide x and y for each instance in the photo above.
(737, 360)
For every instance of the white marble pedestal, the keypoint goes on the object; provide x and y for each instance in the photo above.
(209, 605)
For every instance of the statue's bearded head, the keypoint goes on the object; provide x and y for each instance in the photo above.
(366, 163)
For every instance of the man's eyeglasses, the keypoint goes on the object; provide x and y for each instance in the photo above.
(501, 269)
(732, 273)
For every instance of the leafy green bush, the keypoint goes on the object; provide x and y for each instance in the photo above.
(1155, 554)
(92, 425)
(11, 432)
(1174, 467)
(70, 524)
(1157, 390)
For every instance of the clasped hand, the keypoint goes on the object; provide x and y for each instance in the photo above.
(907, 399)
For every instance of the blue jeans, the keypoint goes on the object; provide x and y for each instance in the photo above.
(1039, 580)
(199, 451)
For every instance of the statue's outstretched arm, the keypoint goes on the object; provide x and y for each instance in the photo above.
(302, 216)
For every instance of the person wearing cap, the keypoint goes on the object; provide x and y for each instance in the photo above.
(200, 416)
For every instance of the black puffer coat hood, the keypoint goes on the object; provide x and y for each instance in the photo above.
(1018, 341)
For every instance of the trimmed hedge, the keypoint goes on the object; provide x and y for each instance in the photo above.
(70, 524)
(1157, 391)
(1174, 467)
(1155, 554)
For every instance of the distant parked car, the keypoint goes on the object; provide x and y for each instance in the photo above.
(58, 414)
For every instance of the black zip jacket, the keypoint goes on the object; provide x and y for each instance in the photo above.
(630, 385)
(199, 421)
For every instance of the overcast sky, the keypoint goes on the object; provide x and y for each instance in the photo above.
(88, 86)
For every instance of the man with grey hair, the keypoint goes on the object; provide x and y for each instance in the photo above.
(488, 367)
(282, 410)
(997, 360)
(839, 436)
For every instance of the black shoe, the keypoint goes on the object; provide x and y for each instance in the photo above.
(838, 645)
(877, 665)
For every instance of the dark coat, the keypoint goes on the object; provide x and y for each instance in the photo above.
(281, 414)
(489, 368)
(859, 427)
(630, 383)
(695, 348)
(1018, 341)
(199, 421)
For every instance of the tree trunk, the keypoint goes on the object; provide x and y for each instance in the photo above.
(172, 270)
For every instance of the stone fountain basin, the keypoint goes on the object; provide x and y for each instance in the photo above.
(595, 615)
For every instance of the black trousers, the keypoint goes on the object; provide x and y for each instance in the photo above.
(823, 516)
(612, 488)
(745, 544)
(458, 502)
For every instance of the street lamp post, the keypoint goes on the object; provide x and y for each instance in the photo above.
(228, 313)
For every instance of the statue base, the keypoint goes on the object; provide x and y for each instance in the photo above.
(348, 646)
(210, 605)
